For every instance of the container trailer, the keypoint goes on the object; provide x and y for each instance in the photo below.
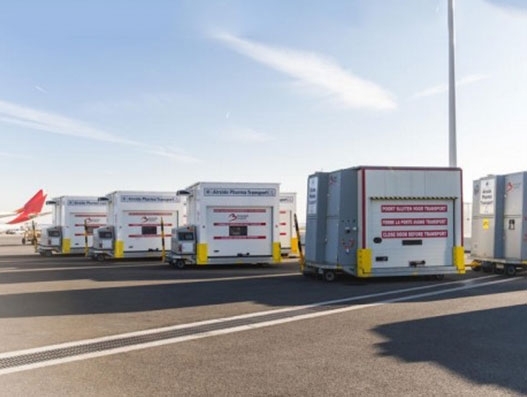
(499, 223)
(139, 224)
(228, 223)
(74, 218)
(384, 221)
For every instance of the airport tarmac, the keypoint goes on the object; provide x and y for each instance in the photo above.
(72, 326)
(11, 244)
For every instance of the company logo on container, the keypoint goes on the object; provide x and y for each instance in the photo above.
(146, 219)
(233, 217)
(511, 186)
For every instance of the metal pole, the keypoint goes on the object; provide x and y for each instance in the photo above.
(163, 251)
(452, 149)
(86, 248)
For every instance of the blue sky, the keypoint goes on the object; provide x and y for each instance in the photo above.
(156, 95)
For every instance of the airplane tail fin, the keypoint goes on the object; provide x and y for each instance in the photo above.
(31, 209)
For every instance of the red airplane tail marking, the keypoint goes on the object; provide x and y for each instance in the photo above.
(31, 209)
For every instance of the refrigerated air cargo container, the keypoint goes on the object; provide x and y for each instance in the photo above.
(499, 223)
(385, 221)
(139, 224)
(288, 237)
(74, 218)
(228, 223)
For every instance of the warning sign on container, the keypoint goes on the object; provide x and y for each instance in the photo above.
(414, 220)
(415, 234)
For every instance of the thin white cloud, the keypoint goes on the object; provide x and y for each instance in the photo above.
(14, 156)
(148, 101)
(173, 153)
(39, 88)
(442, 88)
(55, 124)
(246, 135)
(316, 71)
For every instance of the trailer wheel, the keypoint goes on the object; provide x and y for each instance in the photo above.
(439, 277)
(329, 276)
(47, 253)
(180, 264)
(101, 257)
(488, 267)
(510, 270)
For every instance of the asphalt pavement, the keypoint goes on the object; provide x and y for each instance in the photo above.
(72, 326)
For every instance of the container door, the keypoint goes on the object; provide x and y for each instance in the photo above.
(411, 233)
(142, 229)
(243, 231)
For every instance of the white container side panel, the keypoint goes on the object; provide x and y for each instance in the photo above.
(467, 220)
(140, 230)
(56, 215)
(75, 229)
(286, 228)
(286, 219)
(414, 183)
(406, 232)
(515, 217)
(246, 231)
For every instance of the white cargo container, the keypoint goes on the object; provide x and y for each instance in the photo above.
(139, 224)
(73, 220)
(288, 237)
(385, 221)
(228, 223)
(499, 223)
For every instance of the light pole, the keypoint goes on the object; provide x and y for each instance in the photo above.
(452, 149)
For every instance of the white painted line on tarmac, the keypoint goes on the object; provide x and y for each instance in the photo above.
(89, 285)
(82, 267)
(465, 286)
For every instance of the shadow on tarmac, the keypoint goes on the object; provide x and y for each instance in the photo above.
(487, 347)
(193, 287)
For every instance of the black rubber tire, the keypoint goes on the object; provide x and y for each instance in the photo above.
(47, 253)
(180, 264)
(101, 257)
(510, 270)
(329, 276)
(439, 277)
(488, 267)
